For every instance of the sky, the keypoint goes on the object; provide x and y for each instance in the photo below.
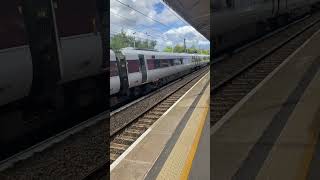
(174, 30)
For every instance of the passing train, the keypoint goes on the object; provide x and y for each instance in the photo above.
(51, 54)
(237, 20)
(133, 71)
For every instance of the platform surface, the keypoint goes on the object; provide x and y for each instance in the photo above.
(274, 133)
(169, 147)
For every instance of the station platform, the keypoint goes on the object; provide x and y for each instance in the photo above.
(176, 146)
(273, 132)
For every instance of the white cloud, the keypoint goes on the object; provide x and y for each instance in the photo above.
(124, 18)
(145, 6)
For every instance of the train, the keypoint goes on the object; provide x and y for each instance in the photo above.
(133, 71)
(52, 56)
(235, 21)
(46, 45)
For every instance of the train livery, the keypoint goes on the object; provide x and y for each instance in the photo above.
(238, 20)
(131, 69)
(49, 48)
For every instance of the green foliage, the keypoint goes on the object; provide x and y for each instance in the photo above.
(207, 52)
(178, 49)
(191, 50)
(122, 40)
(167, 49)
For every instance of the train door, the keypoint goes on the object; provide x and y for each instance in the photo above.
(123, 73)
(43, 45)
(143, 68)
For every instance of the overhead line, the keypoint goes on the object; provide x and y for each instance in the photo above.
(126, 5)
(152, 29)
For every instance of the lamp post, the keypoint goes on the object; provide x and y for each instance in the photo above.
(134, 40)
(147, 40)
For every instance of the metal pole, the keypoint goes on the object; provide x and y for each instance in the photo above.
(134, 40)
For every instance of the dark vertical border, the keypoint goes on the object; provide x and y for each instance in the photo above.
(103, 7)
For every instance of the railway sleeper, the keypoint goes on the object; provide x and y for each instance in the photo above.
(146, 121)
(146, 124)
(139, 126)
(171, 100)
(116, 151)
(133, 131)
(118, 146)
(167, 105)
(161, 108)
(152, 117)
(127, 140)
(131, 134)
(157, 113)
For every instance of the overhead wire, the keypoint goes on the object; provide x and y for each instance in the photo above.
(150, 28)
(136, 30)
(145, 15)
(138, 11)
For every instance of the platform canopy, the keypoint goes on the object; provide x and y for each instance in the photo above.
(195, 12)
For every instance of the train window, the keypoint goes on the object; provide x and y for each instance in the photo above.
(171, 62)
(176, 62)
(164, 63)
(151, 64)
(113, 69)
(157, 63)
(133, 66)
(75, 17)
(12, 30)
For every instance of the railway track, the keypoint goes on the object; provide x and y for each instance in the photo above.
(81, 151)
(235, 76)
(122, 136)
(73, 153)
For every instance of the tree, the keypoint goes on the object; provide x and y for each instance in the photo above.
(207, 52)
(153, 44)
(192, 49)
(167, 49)
(178, 49)
(122, 40)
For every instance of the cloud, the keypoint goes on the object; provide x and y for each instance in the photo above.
(132, 22)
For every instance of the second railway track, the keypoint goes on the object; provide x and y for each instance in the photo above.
(235, 76)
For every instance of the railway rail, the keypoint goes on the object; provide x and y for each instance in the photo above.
(235, 76)
(73, 153)
(80, 152)
(124, 134)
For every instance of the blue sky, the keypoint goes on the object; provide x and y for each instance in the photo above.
(158, 7)
(170, 34)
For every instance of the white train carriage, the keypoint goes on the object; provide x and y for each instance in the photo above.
(142, 67)
(16, 61)
(35, 65)
(244, 16)
(114, 74)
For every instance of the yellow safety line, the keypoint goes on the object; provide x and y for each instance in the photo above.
(187, 166)
(309, 153)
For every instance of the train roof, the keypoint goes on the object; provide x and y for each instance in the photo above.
(149, 52)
